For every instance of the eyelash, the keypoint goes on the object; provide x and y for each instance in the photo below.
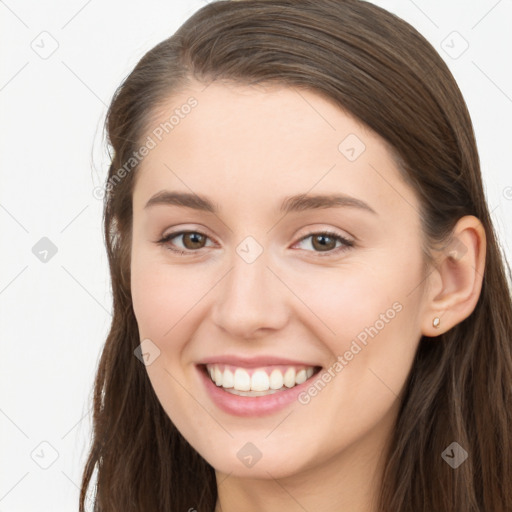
(347, 244)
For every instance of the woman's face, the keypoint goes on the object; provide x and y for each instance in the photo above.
(262, 297)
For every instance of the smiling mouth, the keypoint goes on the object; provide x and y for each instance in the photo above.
(258, 381)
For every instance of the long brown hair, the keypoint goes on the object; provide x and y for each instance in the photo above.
(382, 71)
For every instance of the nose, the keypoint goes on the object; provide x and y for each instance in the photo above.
(251, 300)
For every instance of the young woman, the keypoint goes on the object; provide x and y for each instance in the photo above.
(311, 311)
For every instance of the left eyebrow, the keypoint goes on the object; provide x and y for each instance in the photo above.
(303, 202)
(296, 203)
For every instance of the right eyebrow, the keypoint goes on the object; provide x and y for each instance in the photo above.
(185, 199)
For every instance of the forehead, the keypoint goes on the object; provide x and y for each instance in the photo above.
(248, 145)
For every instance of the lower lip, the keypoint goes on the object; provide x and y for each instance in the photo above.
(251, 405)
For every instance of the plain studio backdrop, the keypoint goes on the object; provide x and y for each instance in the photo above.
(62, 62)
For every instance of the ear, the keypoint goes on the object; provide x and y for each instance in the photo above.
(456, 281)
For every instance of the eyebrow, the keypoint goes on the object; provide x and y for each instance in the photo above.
(296, 203)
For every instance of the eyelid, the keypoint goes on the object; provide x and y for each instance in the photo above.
(335, 232)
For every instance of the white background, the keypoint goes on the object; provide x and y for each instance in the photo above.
(55, 315)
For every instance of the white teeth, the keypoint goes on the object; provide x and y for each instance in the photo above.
(260, 383)
(300, 377)
(228, 380)
(289, 378)
(218, 376)
(276, 379)
(242, 381)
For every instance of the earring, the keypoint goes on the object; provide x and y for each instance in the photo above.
(436, 322)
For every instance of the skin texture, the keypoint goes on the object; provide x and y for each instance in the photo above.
(247, 148)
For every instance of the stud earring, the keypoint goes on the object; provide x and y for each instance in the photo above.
(436, 322)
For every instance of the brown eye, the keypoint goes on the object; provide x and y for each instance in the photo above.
(323, 242)
(193, 240)
(327, 243)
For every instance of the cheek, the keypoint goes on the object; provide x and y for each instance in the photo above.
(339, 304)
(163, 299)
(366, 315)
(162, 295)
(373, 311)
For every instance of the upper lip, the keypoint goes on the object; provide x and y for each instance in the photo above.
(253, 362)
